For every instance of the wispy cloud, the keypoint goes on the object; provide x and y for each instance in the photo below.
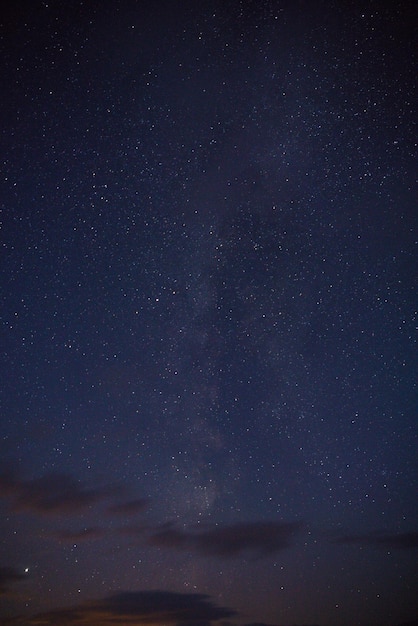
(57, 494)
(401, 541)
(132, 507)
(8, 576)
(263, 624)
(135, 608)
(51, 494)
(85, 534)
(258, 538)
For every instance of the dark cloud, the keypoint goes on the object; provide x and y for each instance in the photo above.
(169, 536)
(85, 534)
(150, 607)
(9, 575)
(52, 494)
(136, 530)
(263, 624)
(8, 482)
(259, 538)
(260, 624)
(404, 541)
(61, 494)
(129, 508)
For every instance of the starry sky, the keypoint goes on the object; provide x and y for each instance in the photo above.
(208, 313)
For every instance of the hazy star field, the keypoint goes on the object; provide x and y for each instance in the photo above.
(208, 296)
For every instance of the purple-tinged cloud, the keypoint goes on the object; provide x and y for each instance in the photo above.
(141, 607)
(9, 575)
(129, 508)
(52, 494)
(134, 530)
(77, 536)
(258, 538)
(400, 541)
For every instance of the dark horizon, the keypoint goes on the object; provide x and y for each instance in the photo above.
(155, 607)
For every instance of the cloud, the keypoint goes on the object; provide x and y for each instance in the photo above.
(9, 575)
(85, 534)
(135, 531)
(8, 482)
(52, 494)
(61, 494)
(402, 541)
(263, 624)
(259, 538)
(129, 508)
(138, 607)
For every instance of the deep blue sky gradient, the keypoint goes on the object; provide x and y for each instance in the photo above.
(208, 313)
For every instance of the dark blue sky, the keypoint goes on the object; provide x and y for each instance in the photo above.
(208, 313)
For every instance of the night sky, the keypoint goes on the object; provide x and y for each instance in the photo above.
(208, 306)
